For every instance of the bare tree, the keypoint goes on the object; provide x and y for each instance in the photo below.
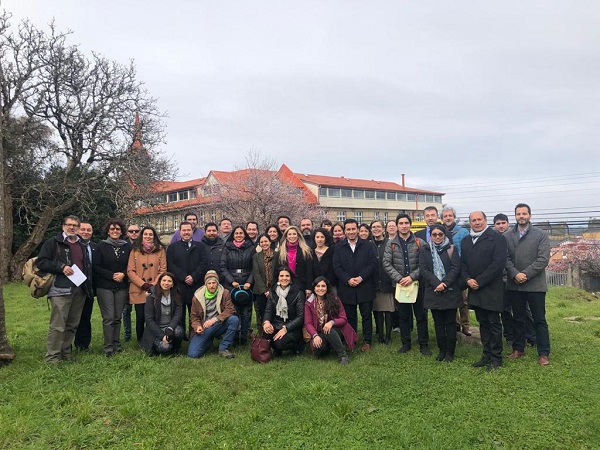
(261, 192)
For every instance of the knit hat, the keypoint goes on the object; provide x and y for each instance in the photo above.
(211, 274)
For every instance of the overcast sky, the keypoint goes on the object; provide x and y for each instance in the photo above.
(491, 102)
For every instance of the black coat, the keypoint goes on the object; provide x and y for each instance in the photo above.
(383, 281)
(55, 254)
(236, 264)
(303, 277)
(183, 261)
(152, 312)
(347, 264)
(295, 301)
(214, 252)
(107, 261)
(451, 298)
(484, 261)
(324, 267)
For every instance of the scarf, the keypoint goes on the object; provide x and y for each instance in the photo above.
(115, 242)
(268, 259)
(282, 307)
(438, 266)
(148, 247)
(238, 244)
(292, 255)
(166, 299)
(321, 314)
(209, 296)
(475, 235)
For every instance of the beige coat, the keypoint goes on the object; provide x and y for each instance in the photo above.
(144, 268)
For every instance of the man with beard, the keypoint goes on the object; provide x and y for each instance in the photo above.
(213, 246)
(306, 228)
(83, 335)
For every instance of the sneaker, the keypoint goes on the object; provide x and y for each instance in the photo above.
(396, 330)
(344, 360)
(404, 349)
(226, 354)
(425, 350)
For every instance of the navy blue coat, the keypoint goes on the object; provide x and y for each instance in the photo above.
(348, 264)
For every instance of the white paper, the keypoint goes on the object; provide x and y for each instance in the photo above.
(78, 276)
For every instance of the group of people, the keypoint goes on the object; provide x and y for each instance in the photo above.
(306, 286)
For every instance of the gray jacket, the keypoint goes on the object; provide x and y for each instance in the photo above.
(393, 258)
(529, 255)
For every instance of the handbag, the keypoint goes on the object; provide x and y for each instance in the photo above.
(407, 294)
(260, 349)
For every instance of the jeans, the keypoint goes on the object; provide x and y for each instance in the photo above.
(111, 307)
(334, 340)
(202, 343)
(537, 304)
(366, 313)
(405, 315)
(64, 317)
(127, 321)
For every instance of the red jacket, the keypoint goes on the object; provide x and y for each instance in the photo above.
(311, 322)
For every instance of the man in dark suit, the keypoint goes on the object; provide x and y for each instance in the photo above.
(483, 259)
(355, 264)
(186, 260)
(431, 218)
(83, 335)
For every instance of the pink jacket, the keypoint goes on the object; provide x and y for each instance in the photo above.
(311, 322)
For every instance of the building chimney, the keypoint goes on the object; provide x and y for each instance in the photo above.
(403, 180)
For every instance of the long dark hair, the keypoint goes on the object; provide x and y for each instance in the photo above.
(137, 244)
(276, 277)
(330, 301)
(158, 292)
(233, 230)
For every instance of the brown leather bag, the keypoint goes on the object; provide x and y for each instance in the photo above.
(260, 349)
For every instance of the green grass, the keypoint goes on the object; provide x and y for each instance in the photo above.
(381, 400)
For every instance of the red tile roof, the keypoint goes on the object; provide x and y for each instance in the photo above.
(356, 183)
(171, 186)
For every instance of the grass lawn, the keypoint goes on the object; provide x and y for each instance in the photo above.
(381, 400)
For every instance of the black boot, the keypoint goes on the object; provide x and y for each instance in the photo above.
(379, 325)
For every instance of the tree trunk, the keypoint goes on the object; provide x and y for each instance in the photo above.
(17, 261)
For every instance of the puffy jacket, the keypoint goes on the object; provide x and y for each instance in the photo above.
(236, 264)
(393, 258)
(214, 252)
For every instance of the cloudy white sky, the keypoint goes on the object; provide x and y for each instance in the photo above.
(491, 102)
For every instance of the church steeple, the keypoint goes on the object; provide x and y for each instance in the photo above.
(137, 134)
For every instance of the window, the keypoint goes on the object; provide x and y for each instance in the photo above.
(369, 194)
(341, 216)
(346, 193)
(385, 217)
(438, 199)
(193, 193)
(359, 193)
(421, 198)
(176, 221)
(401, 196)
(323, 192)
(391, 195)
(334, 192)
(410, 197)
(429, 198)
(213, 216)
(419, 217)
(380, 195)
(358, 215)
(173, 197)
(376, 215)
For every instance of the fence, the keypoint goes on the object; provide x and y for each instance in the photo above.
(556, 278)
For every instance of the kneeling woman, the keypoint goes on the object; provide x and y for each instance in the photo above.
(439, 264)
(213, 315)
(284, 314)
(163, 332)
(325, 320)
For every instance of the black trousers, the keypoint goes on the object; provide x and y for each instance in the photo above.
(292, 341)
(186, 324)
(366, 313)
(490, 329)
(445, 330)
(139, 320)
(83, 335)
(334, 340)
(405, 317)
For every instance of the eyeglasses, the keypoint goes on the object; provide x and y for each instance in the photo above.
(437, 234)
(114, 229)
(133, 231)
(74, 225)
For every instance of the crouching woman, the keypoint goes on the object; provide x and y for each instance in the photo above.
(163, 332)
(326, 322)
(212, 315)
(284, 314)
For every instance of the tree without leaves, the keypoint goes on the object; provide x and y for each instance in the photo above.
(85, 107)
(260, 192)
